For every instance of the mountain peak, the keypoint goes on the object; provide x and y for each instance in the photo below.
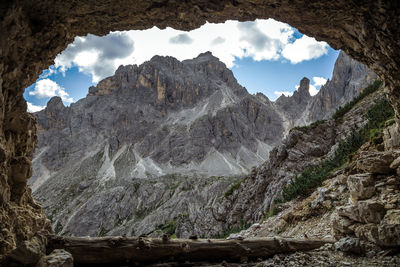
(204, 57)
(206, 54)
(304, 88)
(55, 103)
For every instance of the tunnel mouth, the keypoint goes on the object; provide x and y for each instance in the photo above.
(27, 51)
(101, 163)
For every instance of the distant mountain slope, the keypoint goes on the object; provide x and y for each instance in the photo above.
(162, 117)
(141, 148)
(348, 78)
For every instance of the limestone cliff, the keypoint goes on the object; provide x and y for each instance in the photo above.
(348, 78)
(151, 139)
(33, 34)
(303, 147)
(358, 204)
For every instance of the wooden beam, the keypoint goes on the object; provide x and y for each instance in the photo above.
(122, 250)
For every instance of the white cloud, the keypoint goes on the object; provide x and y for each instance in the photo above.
(217, 41)
(313, 90)
(305, 48)
(182, 38)
(96, 55)
(285, 93)
(34, 108)
(318, 81)
(260, 40)
(48, 88)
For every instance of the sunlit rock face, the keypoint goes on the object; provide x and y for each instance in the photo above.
(152, 138)
(161, 117)
(348, 75)
(155, 137)
(34, 33)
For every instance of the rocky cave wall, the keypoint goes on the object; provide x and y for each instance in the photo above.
(34, 32)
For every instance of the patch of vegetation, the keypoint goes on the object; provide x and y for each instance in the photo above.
(103, 231)
(280, 230)
(58, 228)
(340, 112)
(142, 213)
(308, 127)
(233, 229)
(271, 212)
(235, 187)
(168, 228)
(313, 176)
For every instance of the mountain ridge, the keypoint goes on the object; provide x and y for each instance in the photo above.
(187, 127)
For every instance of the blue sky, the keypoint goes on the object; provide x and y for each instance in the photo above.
(265, 56)
(270, 77)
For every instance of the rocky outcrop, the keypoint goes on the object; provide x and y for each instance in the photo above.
(294, 107)
(375, 218)
(348, 78)
(21, 217)
(304, 146)
(358, 205)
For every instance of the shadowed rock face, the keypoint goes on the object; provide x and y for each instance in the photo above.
(33, 33)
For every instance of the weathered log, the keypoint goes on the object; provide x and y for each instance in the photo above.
(123, 250)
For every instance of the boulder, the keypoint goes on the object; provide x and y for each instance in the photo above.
(368, 211)
(361, 186)
(349, 245)
(58, 258)
(376, 162)
(340, 225)
(368, 232)
(389, 229)
(30, 251)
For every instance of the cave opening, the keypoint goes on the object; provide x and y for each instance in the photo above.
(95, 145)
(368, 32)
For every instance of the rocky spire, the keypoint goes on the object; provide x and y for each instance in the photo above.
(304, 88)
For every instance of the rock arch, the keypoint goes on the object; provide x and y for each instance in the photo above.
(34, 32)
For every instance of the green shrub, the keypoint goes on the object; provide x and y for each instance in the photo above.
(233, 229)
(340, 112)
(168, 228)
(308, 127)
(314, 175)
(234, 187)
(271, 212)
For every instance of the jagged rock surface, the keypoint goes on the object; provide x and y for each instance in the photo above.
(165, 118)
(348, 78)
(161, 117)
(358, 206)
(189, 123)
(301, 148)
(35, 33)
